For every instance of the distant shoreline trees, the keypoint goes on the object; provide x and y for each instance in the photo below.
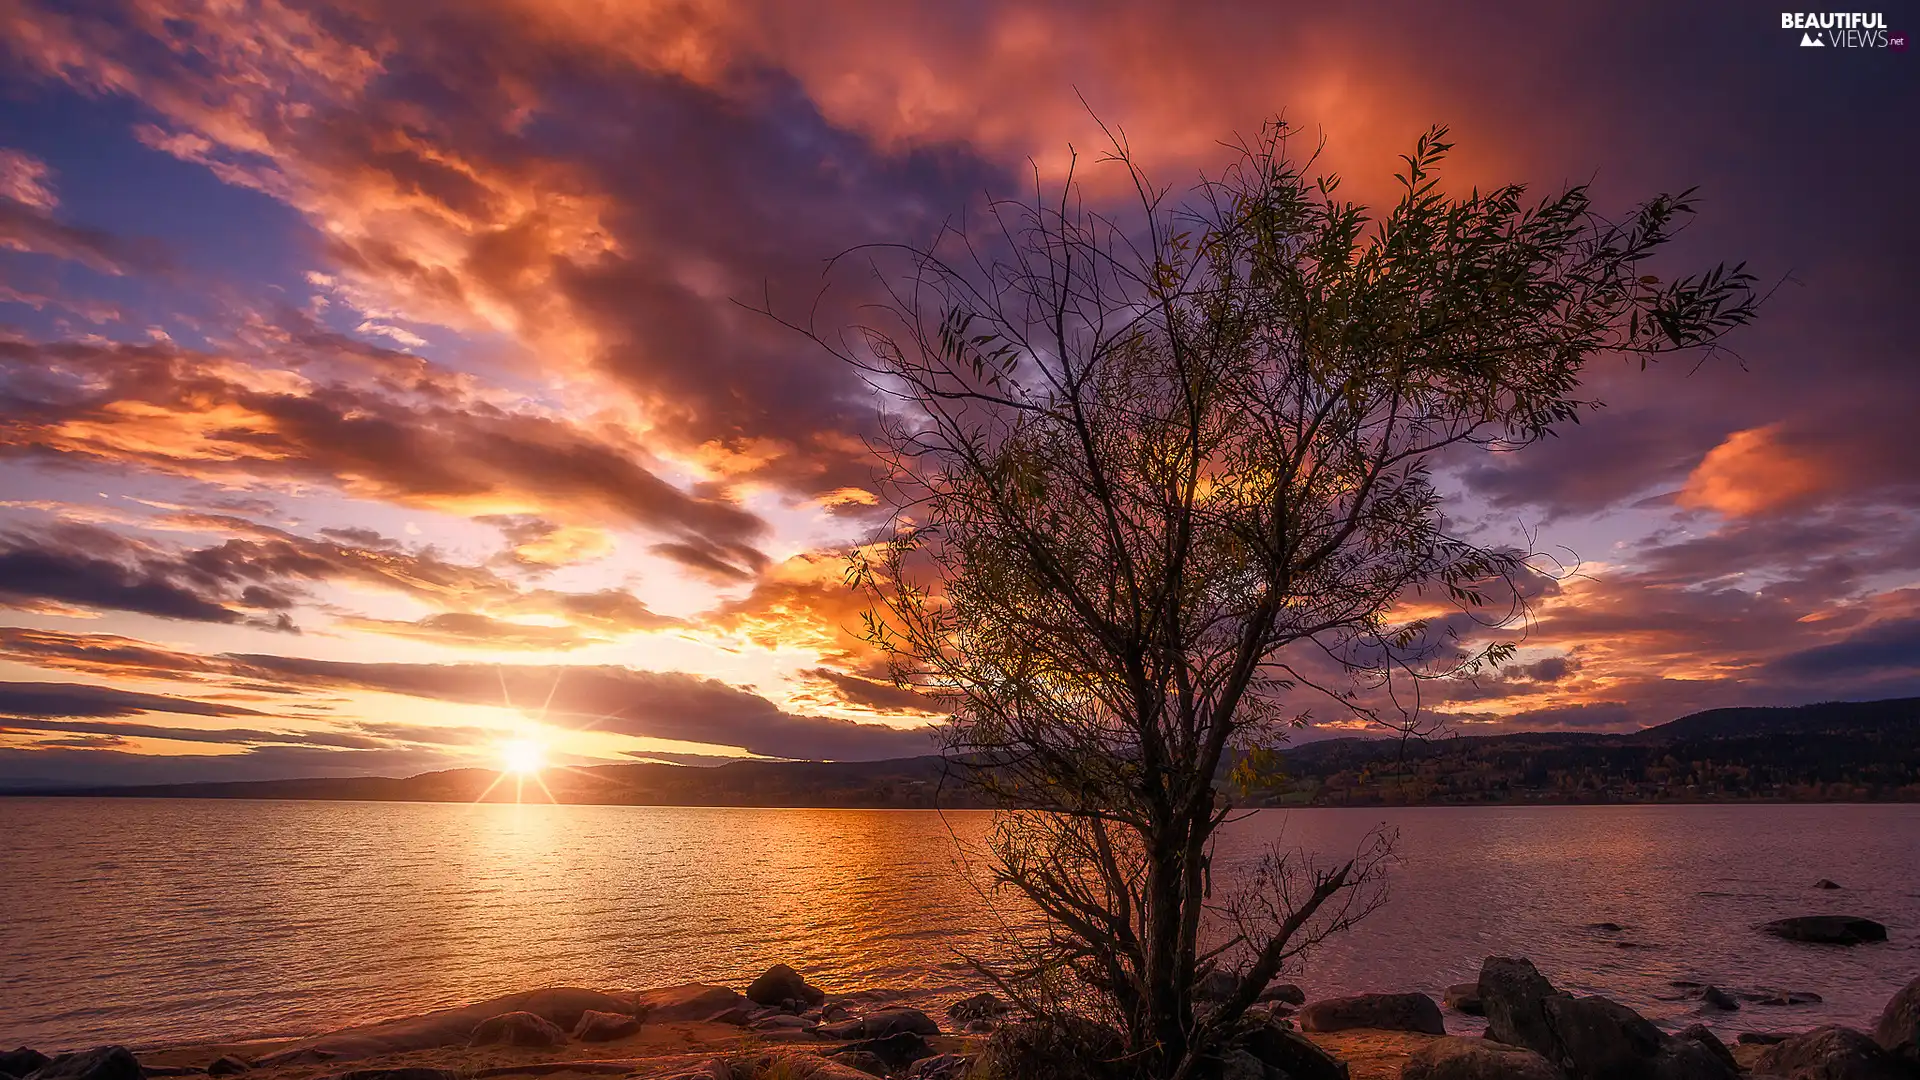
(1160, 481)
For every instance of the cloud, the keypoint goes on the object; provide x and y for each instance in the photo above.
(467, 630)
(19, 700)
(93, 568)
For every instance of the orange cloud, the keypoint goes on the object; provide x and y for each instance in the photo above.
(1751, 472)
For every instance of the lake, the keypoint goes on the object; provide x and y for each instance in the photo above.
(153, 921)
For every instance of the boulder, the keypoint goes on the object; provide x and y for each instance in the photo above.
(1285, 993)
(1898, 1031)
(1463, 998)
(865, 1062)
(783, 1065)
(561, 1005)
(1704, 1036)
(1513, 997)
(1712, 997)
(1216, 985)
(1287, 1051)
(227, 1065)
(517, 1029)
(597, 1026)
(99, 1063)
(414, 1072)
(895, 1051)
(737, 1016)
(688, 1001)
(1826, 883)
(22, 1061)
(1383, 1012)
(780, 984)
(939, 1067)
(1763, 1038)
(1829, 1053)
(1827, 929)
(881, 1024)
(981, 1006)
(1060, 1048)
(1476, 1059)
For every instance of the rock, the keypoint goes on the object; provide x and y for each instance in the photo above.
(99, 1063)
(1763, 1038)
(22, 1061)
(939, 1067)
(1829, 1053)
(416, 1072)
(689, 1001)
(1216, 985)
(783, 1065)
(517, 1029)
(1898, 1031)
(1383, 1012)
(1606, 927)
(1765, 996)
(1061, 1048)
(886, 1022)
(1827, 929)
(1712, 997)
(1286, 993)
(1463, 998)
(596, 1026)
(1703, 1035)
(896, 1051)
(981, 1006)
(779, 984)
(786, 1021)
(1513, 997)
(738, 1016)
(832, 1011)
(1590, 1038)
(864, 1061)
(227, 1065)
(1476, 1059)
(1282, 1048)
(1825, 883)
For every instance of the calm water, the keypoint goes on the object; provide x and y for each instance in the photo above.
(157, 921)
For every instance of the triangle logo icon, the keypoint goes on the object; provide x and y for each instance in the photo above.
(1809, 40)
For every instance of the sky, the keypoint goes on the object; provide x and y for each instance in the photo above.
(379, 384)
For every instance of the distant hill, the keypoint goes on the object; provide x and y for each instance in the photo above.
(1835, 751)
(905, 782)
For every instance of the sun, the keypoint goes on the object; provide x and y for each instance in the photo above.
(522, 756)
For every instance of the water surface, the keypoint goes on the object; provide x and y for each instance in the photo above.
(150, 921)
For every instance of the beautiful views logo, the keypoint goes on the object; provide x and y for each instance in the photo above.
(1843, 29)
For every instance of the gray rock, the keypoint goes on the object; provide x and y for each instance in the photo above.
(981, 1006)
(1898, 1031)
(1713, 997)
(1384, 1012)
(1285, 993)
(596, 1026)
(1280, 1047)
(896, 1051)
(1829, 1053)
(22, 1061)
(1476, 1059)
(691, 1001)
(1513, 997)
(99, 1063)
(1463, 998)
(517, 1029)
(1827, 929)
(780, 984)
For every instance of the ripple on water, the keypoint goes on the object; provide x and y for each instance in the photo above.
(152, 921)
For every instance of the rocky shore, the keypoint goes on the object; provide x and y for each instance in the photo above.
(782, 1027)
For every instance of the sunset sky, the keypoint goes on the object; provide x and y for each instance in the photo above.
(375, 387)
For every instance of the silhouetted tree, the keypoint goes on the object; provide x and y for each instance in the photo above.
(1156, 476)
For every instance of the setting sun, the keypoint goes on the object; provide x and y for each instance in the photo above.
(522, 756)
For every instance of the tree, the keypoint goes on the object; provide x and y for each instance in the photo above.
(1159, 478)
